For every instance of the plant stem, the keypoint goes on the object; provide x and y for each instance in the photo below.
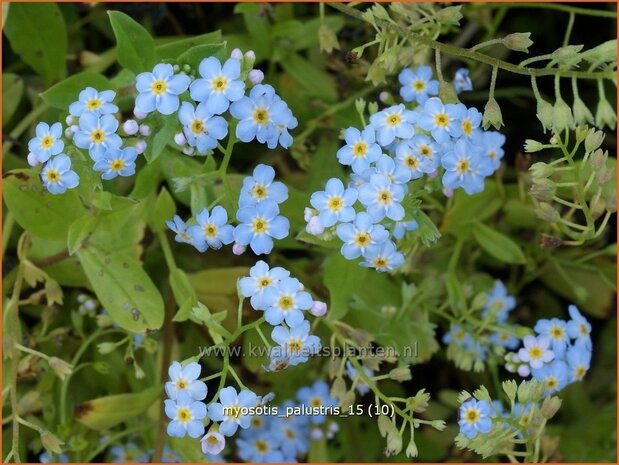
(18, 130)
(223, 168)
(13, 307)
(7, 228)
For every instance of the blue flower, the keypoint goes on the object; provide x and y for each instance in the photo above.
(578, 360)
(219, 85)
(212, 443)
(360, 149)
(458, 336)
(578, 327)
(553, 375)
(185, 380)
(261, 278)
(50, 458)
(382, 198)
(392, 122)
(315, 397)
(360, 385)
(293, 437)
(536, 351)
(418, 155)
(47, 141)
(212, 229)
(287, 122)
(57, 175)
(97, 134)
(178, 226)
(385, 165)
(91, 101)
(492, 143)
(360, 235)
(296, 343)
(334, 203)
(186, 415)
(441, 120)
(202, 130)
(555, 330)
(260, 187)
(128, 453)
(232, 410)
(261, 447)
(462, 168)
(259, 225)
(462, 81)
(286, 301)
(383, 257)
(475, 417)
(159, 90)
(169, 456)
(401, 227)
(418, 84)
(499, 302)
(259, 114)
(469, 120)
(117, 162)
(503, 339)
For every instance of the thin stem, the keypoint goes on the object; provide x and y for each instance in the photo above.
(7, 228)
(223, 168)
(439, 69)
(485, 44)
(13, 307)
(559, 7)
(568, 30)
(495, 71)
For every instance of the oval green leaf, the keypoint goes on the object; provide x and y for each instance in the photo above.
(498, 244)
(135, 46)
(64, 93)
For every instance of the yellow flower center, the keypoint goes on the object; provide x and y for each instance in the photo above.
(580, 372)
(117, 164)
(360, 149)
(197, 126)
(97, 136)
(394, 119)
(256, 422)
(335, 204)
(285, 302)
(261, 116)
(213, 440)
(261, 446)
(52, 175)
(233, 411)
(462, 167)
(380, 262)
(295, 345)
(491, 154)
(535, 353)
(47, 141)
(471, 416)
(259, 225)
(159, 87)
(183, 414)
(219, 84)
(316, 402)
(184, 235)
(210, 230)
(583, 329)
(93, 104)
(264, 282)
(289, 433)
(419, 85)
(467, 127)
(551, 382)
(425, 151)
(557, 332)
(259, 191)
(411, 162)
(362, 239)
(181, 383)
(384, 196)
(441, 120)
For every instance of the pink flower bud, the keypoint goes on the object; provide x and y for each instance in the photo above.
(238, 249)
(145, 130)
(256, 76)
(130, 127)
(179, 139)
(213, 443)
(140, 146)
(314, 226)
(524, 370)
(138, 114)
(32, 159)
(237, 54)
(318, 308)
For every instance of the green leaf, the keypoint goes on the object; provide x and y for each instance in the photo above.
(123, 288)
(36, 210)
(79, 230)
(12, 92)
(147, 180)
(181, 287)
(343, 278)
(469, 208)
(161, 136)
(106, 412)
(64, 93)
(135, 46)
(196, 54)
(164, 210)
(498, 244)
(37, 32)
(314, 81)
(174, 49)
(258, 28)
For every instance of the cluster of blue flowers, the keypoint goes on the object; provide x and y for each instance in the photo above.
(259, 221)
(398, 146)
(464, 339)
(284, 301)
(558, 355)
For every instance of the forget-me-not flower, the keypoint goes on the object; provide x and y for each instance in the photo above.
(185, 379)
(231, 409)
(97, 134)
(159, 89)
(383, 257)
(178, 226)
(92, 101)
(382, 198)
(260, 278)
(440, 120)
(392, 122)
(296, 342)
(260, 186)
(186, 415)
(286, 302)
(212, 229)
(418, 84)
(335, 203)
(57, 175)
(117, 162)
(359, 235)
(219, 85)
(463, 167)
(360, 150)
(475, 417)
(316, 396)
(47, 141)
(536, 351)
(259, 225)
(202, 130)
(462, 81)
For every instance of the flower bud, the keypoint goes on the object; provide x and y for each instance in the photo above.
(598, 206)
(130, 127)
(138, 114)
(308, 214)
(411, 450)
(394, 443)
(176, 68)
(144, 130)
(448, 192)
(316, 434)
(544, 113)
(543, 189)
(188, 150)
(605, 116)
(550, 242)
(593, 140)
(449, 15)
(510, 388)
(447, 92)
(372, 108)
(531, 146)
(401, 374)
(582, 114)
(318, 308)
(524, 371)
(237, 54)
(360, 104)
(249, 59)
(562, 116)
(384, 425)
(334, 427)
(68, 133)
(598, 159)
(140, 146)
(541, 170)
(102, 367)
(518, 41)
(492, 115)
(179, 139)
(238, 249)
(327, 39)
(611, 203)
(186, 68)
(51, 442)
(547, 213)
(32, 159)
(69, 120)
(74, 128)
(524, 392)
(256, 76)
(315, 227)
(212, 443)
(384, 96)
